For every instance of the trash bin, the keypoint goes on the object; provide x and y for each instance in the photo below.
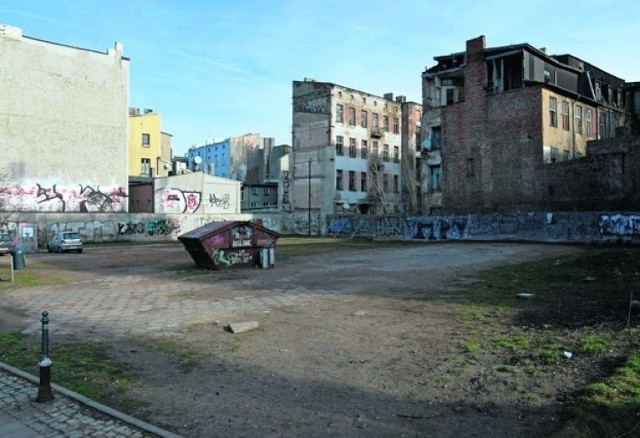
(231, 244)
(18, 259)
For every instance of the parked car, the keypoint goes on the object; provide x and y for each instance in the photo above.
(6, 244)
(65, 242)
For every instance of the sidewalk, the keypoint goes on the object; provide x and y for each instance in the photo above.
(68, 415)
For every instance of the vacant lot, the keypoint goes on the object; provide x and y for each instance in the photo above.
(354, 338)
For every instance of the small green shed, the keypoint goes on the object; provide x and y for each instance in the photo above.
(231, 244)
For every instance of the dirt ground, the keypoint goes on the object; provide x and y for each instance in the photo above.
(350, 343)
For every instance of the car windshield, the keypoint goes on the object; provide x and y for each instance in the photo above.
(70, 236)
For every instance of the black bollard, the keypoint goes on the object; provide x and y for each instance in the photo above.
(44, 389)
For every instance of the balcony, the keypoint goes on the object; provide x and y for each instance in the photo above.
(376, 132)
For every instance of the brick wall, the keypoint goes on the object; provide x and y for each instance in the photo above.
(492, 145)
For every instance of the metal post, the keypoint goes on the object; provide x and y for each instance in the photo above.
(309, 203)
(44, 389)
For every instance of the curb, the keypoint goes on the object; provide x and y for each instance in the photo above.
(93, 404)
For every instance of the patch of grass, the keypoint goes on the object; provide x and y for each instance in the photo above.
(611, 406)
(516, 344)
(592, 344)
(471, 346)
(83, 367)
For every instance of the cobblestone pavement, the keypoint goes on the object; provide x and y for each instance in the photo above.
(64, 416)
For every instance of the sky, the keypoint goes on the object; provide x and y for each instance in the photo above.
(224, 68)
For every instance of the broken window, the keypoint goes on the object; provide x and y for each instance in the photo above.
(363, 149)
(578, 117)
(339, 145)
(352, 147)
(339, 113)
(565, 115)
(396, 125)
(588, 122)
(553, 112)
(352, 116)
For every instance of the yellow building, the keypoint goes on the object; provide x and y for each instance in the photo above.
(149, 148)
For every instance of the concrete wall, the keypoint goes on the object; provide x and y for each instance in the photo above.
(63, 127)
(575, 227)
(113, 227)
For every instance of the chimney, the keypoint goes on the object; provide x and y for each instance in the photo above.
(388, 96)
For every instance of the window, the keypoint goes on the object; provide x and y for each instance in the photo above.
(352, 147)
(588, 122)
(602, 132)
(352, 116)
(146, 140)
(385, 123)
(266, 190)
(396, 184)
(339, 113)
(385, 152)
(254, 190)
(352, 181)
(553, 112)
(554, 155)
(565, 115)
(145, 167)
(565, 155)
(363, 181)
(385, 182)
(339, 179)
(436, 137)
(396, 125)
(374, 120)
(435, 176)
(363, 149)
(374, 149)
(396, 154)
(470, 169)
(578, 116)
(339, 145)
(254, 204)
(450, 96)
(363, 118)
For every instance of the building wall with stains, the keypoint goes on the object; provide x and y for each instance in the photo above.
(63, 126)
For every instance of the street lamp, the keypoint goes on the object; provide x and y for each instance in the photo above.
(309, 200)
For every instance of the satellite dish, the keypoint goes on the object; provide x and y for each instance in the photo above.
(197, 160)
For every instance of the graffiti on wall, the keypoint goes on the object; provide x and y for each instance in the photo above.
(176, 201)
(285, 191)
(152, 227)
(312, 103)
(553, 227)
(221, 202)
(54, 198)
(619, 224)
(230, 258)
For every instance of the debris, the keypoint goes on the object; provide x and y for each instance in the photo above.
(239, 327)
(567, 354)
(525, 295)
(360, 313)
(589, 278)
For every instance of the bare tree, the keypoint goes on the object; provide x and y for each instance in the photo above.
(377, 193)
(410, 199)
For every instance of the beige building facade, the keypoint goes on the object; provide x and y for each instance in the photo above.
(63, 125)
